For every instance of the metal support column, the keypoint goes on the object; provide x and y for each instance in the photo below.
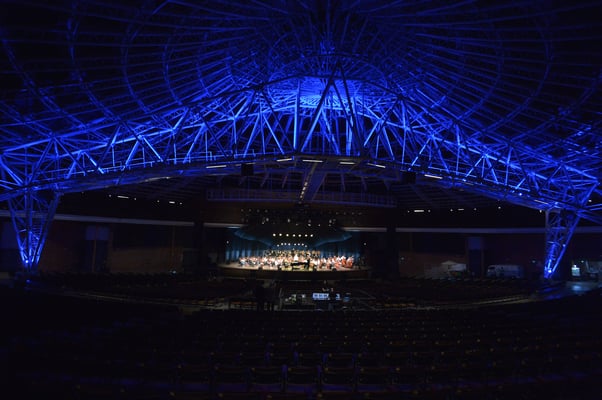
(31, 214)
(560, 226)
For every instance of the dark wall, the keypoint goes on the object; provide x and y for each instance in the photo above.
(82, 246)
(10, 259)
(104, 203)
(68, 249)
(65, 248)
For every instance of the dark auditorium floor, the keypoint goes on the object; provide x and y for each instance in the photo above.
(544, 343)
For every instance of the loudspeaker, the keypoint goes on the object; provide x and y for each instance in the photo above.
(246, 170)
(408, 177)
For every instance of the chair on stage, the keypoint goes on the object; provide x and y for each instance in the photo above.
(310, 359)
(185, 395)
(96, 391)
(238, 396)
(304, 379)
(404, 377)
(353, 345)
(378, 395)
(225, 357)
(126, 371)
(373, 379)
(501, 370)
(368, 359)
(230, 378)
(285, 396)
(339, 359)
(280, 358)
(338, 379)
(395, 359)
(442, 375)
(144, 392)
(158, 374)
(254, 358)
(266, 379)
(194, 377)
(329, 346)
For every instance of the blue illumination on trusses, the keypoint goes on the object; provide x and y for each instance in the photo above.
(31, 215)
(183, 89)
(560, 226)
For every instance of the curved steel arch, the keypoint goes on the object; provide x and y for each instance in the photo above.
(467, 94)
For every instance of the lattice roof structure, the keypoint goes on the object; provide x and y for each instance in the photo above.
(305, 102)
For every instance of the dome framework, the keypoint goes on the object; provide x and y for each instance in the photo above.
(324, 101)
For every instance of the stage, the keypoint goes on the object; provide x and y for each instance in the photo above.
(298, 273)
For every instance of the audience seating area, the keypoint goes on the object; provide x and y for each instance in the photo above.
(158, 287)
(238, 293)
(73, 347)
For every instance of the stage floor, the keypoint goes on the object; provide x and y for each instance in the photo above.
(234, 270)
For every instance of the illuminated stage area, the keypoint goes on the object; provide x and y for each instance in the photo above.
(293, 243)
(295, 260)
(295, 271)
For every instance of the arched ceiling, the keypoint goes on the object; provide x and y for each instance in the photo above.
(420, 103)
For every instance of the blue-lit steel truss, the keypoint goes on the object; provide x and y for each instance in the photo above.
(492, 98)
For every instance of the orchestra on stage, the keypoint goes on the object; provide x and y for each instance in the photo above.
(298, 260)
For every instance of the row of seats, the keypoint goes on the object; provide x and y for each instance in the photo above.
(85, 347)
(165, 285)
(376, 294)
(576, 388)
